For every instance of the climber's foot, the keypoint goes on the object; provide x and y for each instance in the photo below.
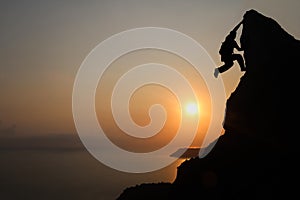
(216, 73)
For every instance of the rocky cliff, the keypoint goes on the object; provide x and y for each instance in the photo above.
(257, 156)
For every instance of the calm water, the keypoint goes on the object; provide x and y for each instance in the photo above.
(32, 174)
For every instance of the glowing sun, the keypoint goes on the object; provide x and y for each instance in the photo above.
(191, 108)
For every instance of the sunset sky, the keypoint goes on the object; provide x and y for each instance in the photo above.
(43, 44)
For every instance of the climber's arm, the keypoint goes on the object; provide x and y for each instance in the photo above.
(238, 47)
(237, 26)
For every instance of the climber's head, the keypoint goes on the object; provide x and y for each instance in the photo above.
(232, 34)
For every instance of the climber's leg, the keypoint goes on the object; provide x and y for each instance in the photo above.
(226, 66)
(240, 60)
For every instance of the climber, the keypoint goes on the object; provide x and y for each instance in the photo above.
(227, 53)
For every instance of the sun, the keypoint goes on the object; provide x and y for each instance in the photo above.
(191, 108)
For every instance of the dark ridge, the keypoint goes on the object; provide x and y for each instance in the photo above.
(147, 191)
(186, 153)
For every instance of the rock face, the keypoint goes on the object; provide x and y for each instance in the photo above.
(257, 156)
(265, 93)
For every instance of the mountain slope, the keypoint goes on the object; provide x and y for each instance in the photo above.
(257, 156)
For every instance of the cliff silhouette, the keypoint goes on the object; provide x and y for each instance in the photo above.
(256, 158)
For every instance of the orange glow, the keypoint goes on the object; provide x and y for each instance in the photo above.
(143, 98)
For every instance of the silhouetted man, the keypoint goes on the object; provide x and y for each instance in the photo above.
(227, 53)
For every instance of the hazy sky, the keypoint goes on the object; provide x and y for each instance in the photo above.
(43, 44)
